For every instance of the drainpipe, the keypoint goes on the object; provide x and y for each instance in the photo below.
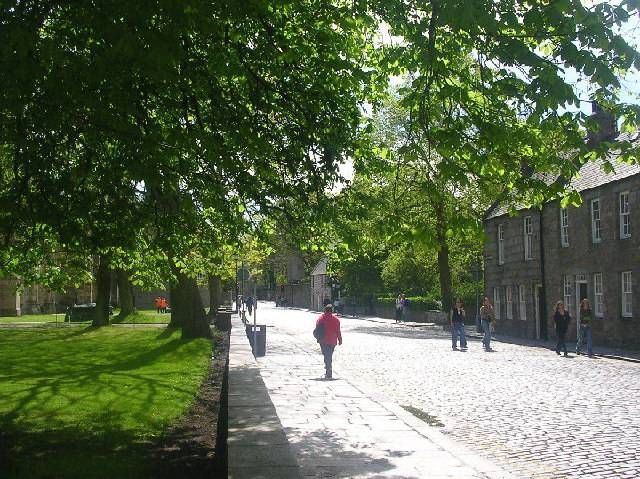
(543, 313)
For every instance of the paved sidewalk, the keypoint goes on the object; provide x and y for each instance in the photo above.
(257, 446)
(333, 429)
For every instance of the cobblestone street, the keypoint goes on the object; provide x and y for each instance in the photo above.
(525, 408)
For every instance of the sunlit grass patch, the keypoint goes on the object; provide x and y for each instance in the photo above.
(85, 402)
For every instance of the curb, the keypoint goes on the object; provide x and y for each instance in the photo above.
(468, 457)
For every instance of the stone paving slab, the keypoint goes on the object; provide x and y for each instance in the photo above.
(338, 431)
(257, 445)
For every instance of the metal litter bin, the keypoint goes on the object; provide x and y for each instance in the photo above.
(260, 349)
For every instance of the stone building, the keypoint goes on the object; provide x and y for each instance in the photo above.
(37, 299)
(320, 286)
(592, 251)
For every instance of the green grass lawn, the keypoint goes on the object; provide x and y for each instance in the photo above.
(142, 316)
(33, 318)
(86, 402)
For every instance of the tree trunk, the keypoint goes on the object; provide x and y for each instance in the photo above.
(125, 293)
(214, 293)
(444, 269)
(103, 293)
(186, 308)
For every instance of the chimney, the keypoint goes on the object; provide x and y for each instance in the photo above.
(607, 125)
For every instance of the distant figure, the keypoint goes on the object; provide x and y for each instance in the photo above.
(405, 308)
(330, 338)
(157, 303)
(561, 319)
(337, 306)
(457, 316)
(487, 315)
(586, 316)
(399, 308)
(249, 302)
(163, 305)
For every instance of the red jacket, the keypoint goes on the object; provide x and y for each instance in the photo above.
(332, 333)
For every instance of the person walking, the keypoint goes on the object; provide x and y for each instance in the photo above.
(399, 308)
(487, 315)
(156, 302)
(249, 303)
(457, 316)
(331, 336)
(561, 319)
(586, 316)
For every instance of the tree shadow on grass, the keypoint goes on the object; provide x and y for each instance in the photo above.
(110, 400)
(71, 453)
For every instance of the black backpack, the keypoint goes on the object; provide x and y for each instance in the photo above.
(318, 332)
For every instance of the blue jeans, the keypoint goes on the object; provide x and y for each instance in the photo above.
(486, 340)
(585, 332)
(457, 329)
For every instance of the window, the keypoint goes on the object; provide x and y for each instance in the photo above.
(598, 306)
(564, 227)
(522, 302)
(500, 244)
(568, 296)
(625, 220)
(509, 302)
(626, 294)
(595, 221)
(528, 238)
(496, 302)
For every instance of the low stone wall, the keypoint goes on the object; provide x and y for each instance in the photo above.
(415, 315)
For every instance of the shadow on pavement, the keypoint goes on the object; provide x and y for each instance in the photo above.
(400, 332)
(326, 453)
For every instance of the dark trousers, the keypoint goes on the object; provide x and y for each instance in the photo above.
(562, 335)
(327, 352)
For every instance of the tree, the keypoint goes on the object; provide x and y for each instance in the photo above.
(168, 112)
(488, 82)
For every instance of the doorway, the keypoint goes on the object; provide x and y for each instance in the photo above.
(581, 293)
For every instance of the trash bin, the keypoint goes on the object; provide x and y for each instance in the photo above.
(223, 321)
(261, 338)
(82, 312)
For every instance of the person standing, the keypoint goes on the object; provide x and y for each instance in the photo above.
(561, 319)
(457, 316)
(405, 308)
(399, 308)
(163, 305)
(487, 315)
(330, 337)
(337, 306)
(586, 316)
(156, 302)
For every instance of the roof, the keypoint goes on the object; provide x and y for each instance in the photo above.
(591, 175)
(321, 268)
